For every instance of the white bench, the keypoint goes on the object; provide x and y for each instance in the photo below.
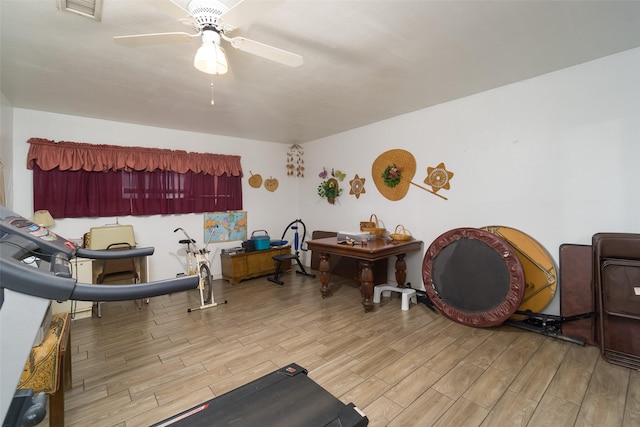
(408, 294)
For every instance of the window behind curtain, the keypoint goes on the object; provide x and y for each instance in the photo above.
(73, 194)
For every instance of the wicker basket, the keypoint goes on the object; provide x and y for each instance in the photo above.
(400, 233)
(372, 226)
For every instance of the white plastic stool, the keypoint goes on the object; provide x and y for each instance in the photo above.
(385, 290)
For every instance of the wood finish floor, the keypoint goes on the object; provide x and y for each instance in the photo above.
(134, 367)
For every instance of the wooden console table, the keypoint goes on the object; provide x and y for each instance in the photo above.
(247, 265)
(365, 255)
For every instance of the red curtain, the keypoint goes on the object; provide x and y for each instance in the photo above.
(100, 158)
(74, 180)
(74, 194)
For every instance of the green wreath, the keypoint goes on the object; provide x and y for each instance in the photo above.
(391, 175)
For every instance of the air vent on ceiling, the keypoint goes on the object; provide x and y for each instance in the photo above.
(89, 8)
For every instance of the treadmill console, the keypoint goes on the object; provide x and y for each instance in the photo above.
(47, 241)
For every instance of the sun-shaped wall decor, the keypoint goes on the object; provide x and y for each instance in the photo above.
(357, 186)
(438, 177)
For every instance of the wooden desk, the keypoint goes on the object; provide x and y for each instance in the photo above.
(366, 256)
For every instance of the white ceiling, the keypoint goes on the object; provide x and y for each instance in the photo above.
(364, 61)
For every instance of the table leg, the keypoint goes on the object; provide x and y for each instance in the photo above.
(325, 273)
(56, 400)
(56, 408)
(401, 270)
(366, 285)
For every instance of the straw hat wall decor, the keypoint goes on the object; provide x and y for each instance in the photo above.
(396, 167)
(393, 171)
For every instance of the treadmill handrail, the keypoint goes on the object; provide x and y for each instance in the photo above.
(92, 292)
(20, 277)
(105, 254)
(25, 279)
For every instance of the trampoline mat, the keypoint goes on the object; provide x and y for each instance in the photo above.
(473, 277)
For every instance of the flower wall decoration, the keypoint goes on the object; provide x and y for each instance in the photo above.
(329, 188)
(391, 175)
(393, 172)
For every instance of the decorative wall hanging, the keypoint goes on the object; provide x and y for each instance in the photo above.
(438, 177)
(295, 163)
(329, 188)
(255, 180)
(392, 173)
(357, 186)
(271, 184)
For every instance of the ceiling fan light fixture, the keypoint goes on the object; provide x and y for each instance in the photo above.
(210, 58)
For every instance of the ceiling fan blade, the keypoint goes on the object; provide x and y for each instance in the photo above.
(245, 12)
(265, 51)
(154, 38)
(174, 10)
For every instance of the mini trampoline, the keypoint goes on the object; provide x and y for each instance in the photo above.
(540, 270)
(473, 277)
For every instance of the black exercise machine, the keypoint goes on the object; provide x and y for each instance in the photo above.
(284, 398)
(297, 246)
(35, 268)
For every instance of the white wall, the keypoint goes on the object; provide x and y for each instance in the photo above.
(266, 210)
(6, 147)
(556, 157)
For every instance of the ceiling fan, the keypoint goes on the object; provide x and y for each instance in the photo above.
(213, 21)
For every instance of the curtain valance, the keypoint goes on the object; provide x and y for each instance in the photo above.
(74, 156)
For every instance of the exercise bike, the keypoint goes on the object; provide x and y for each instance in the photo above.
(198, 264)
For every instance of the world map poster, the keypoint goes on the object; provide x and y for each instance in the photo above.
(225, 226)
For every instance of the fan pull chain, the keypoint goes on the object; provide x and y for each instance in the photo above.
(212, 101)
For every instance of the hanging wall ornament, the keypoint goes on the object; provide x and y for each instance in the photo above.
(393, 172)
(357, 186)
(290, 165)
(438, 177)
(295, 162)
(271, 184)
(255, 180)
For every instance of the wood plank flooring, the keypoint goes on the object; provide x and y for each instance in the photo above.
(135, 367)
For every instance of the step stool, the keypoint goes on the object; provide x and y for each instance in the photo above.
(385, 290)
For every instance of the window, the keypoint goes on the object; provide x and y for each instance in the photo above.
(69, 191)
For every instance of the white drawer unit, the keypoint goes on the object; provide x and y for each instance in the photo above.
(82, 272)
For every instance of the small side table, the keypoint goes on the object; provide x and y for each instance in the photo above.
(48, 368)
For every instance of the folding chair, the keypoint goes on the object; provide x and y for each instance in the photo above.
(117, 271)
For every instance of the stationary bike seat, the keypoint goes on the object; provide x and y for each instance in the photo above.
(185, 241)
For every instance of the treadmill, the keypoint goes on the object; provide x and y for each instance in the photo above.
(35, 268)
